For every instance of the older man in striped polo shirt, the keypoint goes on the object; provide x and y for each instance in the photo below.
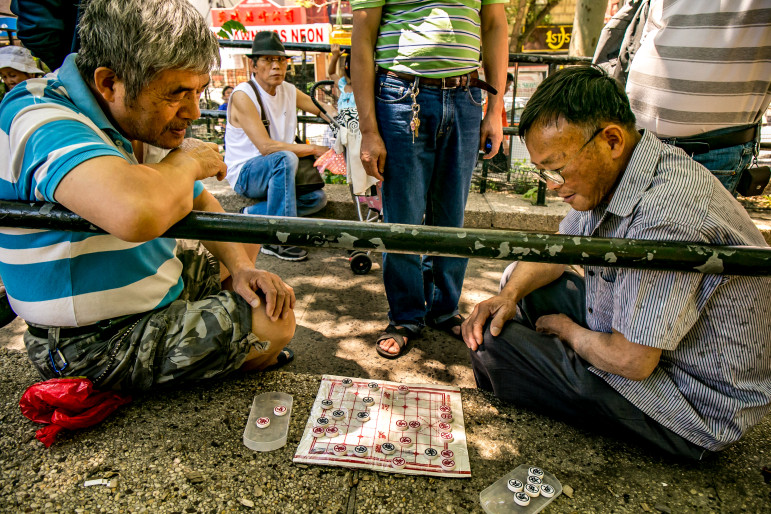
(678, 360)
(420, 111)
(104, 136)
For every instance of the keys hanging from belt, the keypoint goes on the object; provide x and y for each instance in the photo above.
(415, 122)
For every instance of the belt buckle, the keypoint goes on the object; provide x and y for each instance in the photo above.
(444, 83)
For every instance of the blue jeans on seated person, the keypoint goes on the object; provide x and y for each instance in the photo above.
(727, 164)
(271, 179)
(427, 181)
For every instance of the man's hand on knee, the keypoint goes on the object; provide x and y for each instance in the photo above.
(500, 308)
(278, 296)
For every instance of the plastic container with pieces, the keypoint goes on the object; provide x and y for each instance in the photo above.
(274, 435)
(499, 499)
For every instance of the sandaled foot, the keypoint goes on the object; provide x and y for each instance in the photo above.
(284, 357)
(399, 335)
(450, 326)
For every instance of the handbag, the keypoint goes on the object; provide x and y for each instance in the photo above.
(307, 179)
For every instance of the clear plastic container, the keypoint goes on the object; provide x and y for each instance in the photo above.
(273, 436)
(499, 499)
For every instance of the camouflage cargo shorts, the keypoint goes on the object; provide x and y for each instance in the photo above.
(204, 333)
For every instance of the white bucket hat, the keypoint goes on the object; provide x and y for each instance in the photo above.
(18, 58)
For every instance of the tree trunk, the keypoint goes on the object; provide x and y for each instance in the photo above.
(587, 26)
(519, 22)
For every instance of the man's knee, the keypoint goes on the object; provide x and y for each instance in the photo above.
(287, 161)
(276, 333)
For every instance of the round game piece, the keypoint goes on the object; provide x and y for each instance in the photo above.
(362, 416)
(521, 499)
(346, 382)
(373, 386)
(368, 401)
(431, 453)
(318, 431)
(398, 463)
(532, 490)
(402, 390)
(446, 437)
(331, 431)
(326, 403)
(447, 454)
(338, 414)
(446, 417)
(339, 449)
(547, 491)
(414, 425)
(322, 422)
(360, 450)
(405, 441)
(262, 422)
(401, 425)
(388, 448)
(444, 427)
(535, 472)
(447, 464)
(532, 479)
(279, 410)
(444, 408)
(515, 486)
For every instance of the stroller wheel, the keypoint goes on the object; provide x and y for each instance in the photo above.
(360, 263)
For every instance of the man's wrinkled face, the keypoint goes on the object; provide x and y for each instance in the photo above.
(12, 77)
(270, 69)
(163, 110)
(581, 161)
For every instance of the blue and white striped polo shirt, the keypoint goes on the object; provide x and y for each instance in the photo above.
(714, 379)
(49, 126)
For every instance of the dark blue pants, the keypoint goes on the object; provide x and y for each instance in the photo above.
(541, 373)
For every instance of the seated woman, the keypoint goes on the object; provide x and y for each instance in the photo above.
(17, 65)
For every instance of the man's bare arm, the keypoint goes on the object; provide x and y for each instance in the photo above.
(138, 202)
(366, 26)
(495, 59)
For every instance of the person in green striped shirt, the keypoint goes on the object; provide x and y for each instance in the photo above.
(419, 97)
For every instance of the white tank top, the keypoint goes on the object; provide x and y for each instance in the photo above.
(281, 110)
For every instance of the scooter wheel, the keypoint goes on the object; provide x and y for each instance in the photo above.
(360, 263)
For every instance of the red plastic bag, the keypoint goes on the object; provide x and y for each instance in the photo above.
(334, 162)
(67, 403)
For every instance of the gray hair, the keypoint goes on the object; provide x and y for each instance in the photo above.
(137, 39)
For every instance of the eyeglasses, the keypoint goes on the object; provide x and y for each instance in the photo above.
(273, 60)
(555, 176)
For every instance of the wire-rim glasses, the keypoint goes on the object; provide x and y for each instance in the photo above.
(555, 176)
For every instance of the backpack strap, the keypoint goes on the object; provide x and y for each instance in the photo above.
(263, 116)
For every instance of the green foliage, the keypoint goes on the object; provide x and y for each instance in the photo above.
(230, 28)
(333, 179)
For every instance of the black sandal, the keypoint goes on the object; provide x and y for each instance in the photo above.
(398, 335)
(447, 325)
(283, 358)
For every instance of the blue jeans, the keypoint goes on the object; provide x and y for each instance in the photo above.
(426, 182)
(727, 164)
(271, 179)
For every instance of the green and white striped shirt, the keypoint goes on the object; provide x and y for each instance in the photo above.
(428, 38)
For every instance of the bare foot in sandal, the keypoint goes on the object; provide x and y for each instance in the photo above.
(392, 342)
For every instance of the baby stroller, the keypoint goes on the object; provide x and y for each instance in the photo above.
(365, 190)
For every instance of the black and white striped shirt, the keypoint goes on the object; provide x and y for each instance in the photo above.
(714, 379)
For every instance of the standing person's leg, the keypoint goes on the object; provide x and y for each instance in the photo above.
(457, 154)
(541, 373)
(270, 178)
(408, 167)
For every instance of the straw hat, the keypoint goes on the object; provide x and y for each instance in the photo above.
(18, 58)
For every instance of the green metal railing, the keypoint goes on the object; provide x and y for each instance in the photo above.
(426, 240)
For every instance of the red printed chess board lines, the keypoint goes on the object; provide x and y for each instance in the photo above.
(422, 404)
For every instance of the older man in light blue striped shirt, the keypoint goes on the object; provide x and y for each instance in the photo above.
(681, 361)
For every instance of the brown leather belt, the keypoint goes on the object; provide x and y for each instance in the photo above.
(695, 145)
(468, 80)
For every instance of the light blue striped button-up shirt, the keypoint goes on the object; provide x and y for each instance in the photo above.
(714, 379)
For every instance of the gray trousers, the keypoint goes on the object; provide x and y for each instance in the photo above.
(541, 373)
